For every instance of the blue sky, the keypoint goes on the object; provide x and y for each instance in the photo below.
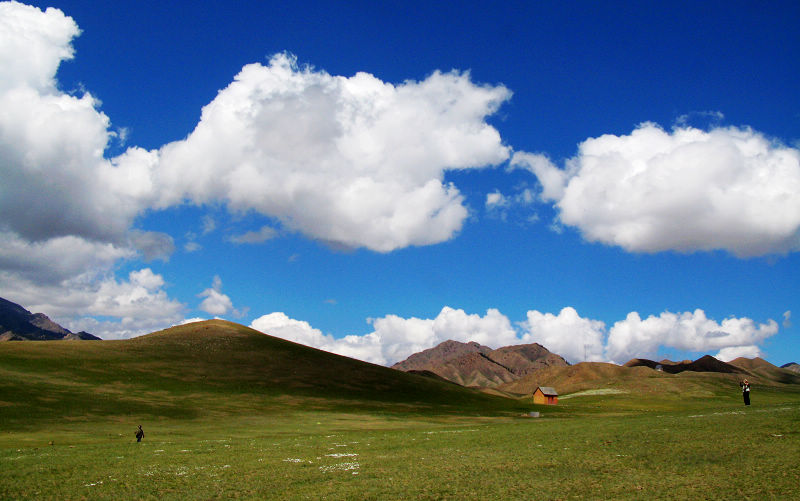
(609, 180)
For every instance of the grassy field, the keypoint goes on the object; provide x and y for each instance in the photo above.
(218, 430)
(725, 452)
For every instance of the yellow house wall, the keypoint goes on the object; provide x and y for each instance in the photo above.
(539, 398)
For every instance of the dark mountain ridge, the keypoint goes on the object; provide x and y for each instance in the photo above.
(791, 366)
(19, 324)
(706, 363)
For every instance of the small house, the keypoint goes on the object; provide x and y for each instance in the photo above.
(545, 395)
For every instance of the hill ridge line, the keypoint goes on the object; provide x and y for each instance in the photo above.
(487, 357)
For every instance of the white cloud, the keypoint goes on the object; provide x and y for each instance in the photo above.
(278, 324)
(52, 143)
(354, 161)
(401, 337)
(513, 207)
(552, 179)
(733, 352)
(32, 45)
(395, 338)
(209, 224)
(255, 237)
(686, 190)
(787, 319)
(192, 246)
(688, 331)
(568, 334)
(54, 260)
(191, 320)
(496, 200)
(215, 302)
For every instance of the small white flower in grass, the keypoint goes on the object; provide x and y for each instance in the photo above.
(340, 467)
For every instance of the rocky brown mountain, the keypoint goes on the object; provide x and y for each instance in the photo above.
(472, 364)
(443, 352)
(19, 324)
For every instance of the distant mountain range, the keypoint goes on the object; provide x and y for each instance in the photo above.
(19, 324)
(791, 366)
(706, 363)
(520, 369)
(472, 364)
(649, 377)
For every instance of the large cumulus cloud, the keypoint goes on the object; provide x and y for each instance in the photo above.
(573, 337)
(686, 190)
(688, 331)
(350, 160)
(56, 180)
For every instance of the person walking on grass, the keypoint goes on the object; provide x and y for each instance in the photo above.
(745, 391)
(139, 434)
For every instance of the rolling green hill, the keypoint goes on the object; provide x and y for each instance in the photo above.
(210, 368)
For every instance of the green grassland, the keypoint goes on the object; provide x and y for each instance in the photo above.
(229, 413)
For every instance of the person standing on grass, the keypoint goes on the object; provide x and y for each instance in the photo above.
(745, 391)
(139, 434)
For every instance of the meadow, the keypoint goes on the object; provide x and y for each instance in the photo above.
(720, 452)
(211, 434)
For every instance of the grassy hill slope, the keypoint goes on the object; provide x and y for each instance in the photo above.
(206, 369)
(589, 375)
(642, 387)
(760, 368)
